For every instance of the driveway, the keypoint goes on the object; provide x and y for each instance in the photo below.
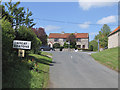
(80, 70)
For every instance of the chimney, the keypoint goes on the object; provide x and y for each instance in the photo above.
(75, 32)
(62, 32)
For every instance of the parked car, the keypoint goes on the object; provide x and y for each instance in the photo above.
(46, 48)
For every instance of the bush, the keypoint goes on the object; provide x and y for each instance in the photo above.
(66, 45)
(26, 34)
(8, 35)
(56, 45)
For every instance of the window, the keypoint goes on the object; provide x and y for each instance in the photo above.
(78, 46)
(79, 39)
(83, 46)
(56, 40)
(64, 39)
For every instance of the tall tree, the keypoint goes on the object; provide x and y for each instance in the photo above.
(17, 15)
(103, 36)
(28, 22)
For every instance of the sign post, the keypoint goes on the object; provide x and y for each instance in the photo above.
(21, 46)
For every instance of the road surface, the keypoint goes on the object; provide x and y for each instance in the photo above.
(80, 70)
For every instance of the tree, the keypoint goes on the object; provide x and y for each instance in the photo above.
(103, 36)
(27, 34)
(93, 45)
(56, 45)
(41, 34)
(72, 40)
(29, 22)
(17, 16)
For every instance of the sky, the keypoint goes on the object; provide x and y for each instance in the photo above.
(71, 17)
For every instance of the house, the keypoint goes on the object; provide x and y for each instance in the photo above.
(82, 39)
(113, 38)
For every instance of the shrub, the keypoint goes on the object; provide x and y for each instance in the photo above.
(56, 45)
(26, 34)
(8, 34)
(66, 45)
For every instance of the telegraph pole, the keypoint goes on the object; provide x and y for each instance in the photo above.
(98, 45)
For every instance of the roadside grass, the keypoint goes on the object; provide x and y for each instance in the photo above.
(45, 53)
(108, 57)
(20, 75)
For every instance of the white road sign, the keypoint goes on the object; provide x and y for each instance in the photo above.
(21, 44)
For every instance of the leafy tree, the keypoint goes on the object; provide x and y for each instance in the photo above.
(72, 40)
(103, 36)
(5, 14)
(41, 34)
(93, 45)
(27, 34)
(56, 45)
(17, 15)
(29, 22)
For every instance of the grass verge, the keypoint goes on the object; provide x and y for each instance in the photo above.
(20, 74)
(108, 57)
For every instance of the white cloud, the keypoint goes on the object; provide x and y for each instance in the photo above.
(106, 20)
(85, 25)
(51, 28)
(87, 4)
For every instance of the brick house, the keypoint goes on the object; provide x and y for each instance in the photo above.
(82, 39)
(113, 38)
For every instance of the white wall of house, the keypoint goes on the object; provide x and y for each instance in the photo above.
(51, 41)
(84, 41)
(113, 40)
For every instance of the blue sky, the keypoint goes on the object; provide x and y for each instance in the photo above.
(89, 15)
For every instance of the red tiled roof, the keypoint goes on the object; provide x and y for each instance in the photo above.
(65, 35)
(118, 28)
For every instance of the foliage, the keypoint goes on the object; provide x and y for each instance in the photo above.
(72, 40)
(7, 40)
(20, 76)
(40, 32)
(17, 15)
(26, 34)
(66, 45)
(103, 36)
(56, 45)
(93, 45)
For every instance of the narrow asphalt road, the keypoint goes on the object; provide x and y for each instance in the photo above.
(80, 70)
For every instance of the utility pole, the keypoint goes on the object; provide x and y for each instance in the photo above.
(98, 45)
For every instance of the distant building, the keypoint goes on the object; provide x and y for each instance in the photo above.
(82, 39)
(113, 38)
